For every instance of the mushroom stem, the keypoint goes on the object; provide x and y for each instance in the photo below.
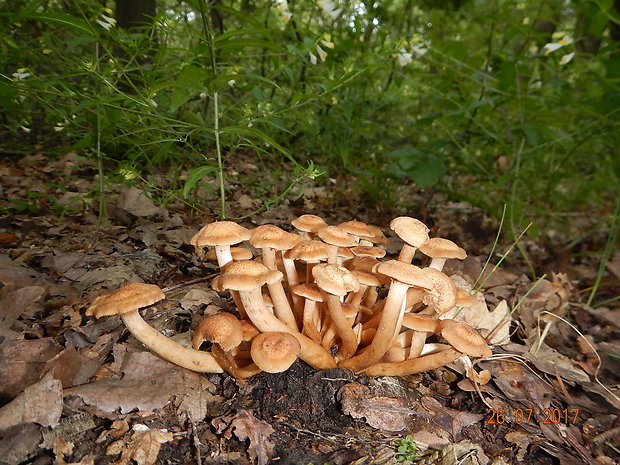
(406, 253)
(168, 349)
(223, 254)
(311, 352)
(437, 263)
(385, 330)
(416, 365)
(343, 328)
(281, 305)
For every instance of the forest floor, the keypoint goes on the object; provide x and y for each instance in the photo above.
(74, 389)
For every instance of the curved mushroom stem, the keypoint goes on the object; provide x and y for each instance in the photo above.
(416, 365)
(343, 327)
(311, 352)
(309, 325)
(166, 348)
(223, 254)
(228, 362)
(386, 329)
(407, 253)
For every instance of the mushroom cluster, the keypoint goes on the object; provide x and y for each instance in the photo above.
(323, 295)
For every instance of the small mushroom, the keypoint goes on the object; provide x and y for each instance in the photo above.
(413, 232)
(126, 301)
(464, 338)
(441, 298)
(309, 225)
(440, 250)
(221, 235)
(335, 237)
(275, 351)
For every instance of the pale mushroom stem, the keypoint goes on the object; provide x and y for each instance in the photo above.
(406, 253)
(311, 352)
(281, 306)
(309, 326)
(166, 348)
(385, 330)
(437, 263)
(416, 365)
(223, 254)
(343, 328)
(417, 344)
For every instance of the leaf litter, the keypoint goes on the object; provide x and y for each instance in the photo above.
(109, 401)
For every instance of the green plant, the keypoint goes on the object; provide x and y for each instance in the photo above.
(406, 450)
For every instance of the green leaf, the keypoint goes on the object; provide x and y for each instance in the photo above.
(195, 176)
(65, 20)
(249, 133)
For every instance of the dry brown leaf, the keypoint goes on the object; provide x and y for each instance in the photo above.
(143, 447)
(40, 403)
(118, 429)
(245, 426)
(149, 383)
(135, 202)
(385, 413)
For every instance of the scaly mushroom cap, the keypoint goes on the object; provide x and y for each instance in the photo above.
(464, 338)
(405, 273)
(309, 223)
(334, 235)
(220, 233)
(247, 275)
(410, 230)
(222, 328)
(368, 251)
(438, 247)
(308, 291)
(125, 299)
(356, 228)
(275, 352)
(269, 235)
(308, 251)
(335, 279)
(442, 296)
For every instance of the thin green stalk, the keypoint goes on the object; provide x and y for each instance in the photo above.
(103, 213)
(609, 249)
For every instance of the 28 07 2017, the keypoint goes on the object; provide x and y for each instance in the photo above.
(549, 416)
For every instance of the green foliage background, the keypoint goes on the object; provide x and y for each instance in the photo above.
(478, 99)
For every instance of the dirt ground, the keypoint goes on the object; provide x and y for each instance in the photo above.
(79, 390)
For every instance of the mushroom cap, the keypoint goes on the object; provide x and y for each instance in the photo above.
(238, 253)
(368, 251)
(442, 296)
(405, 273)
(309, 223)
(269, 235)
(366, 264)
(308, 291)
(222, 328)
(418, 322)
(438, 247)
(220, 233)
(366, 278)
(126, 299)
(250, 331)
(334, 235)
(274, 351)
(335, 279)
(308, 251)
(465, 299)
(356, 228)
(410, 230)
(247, 275)
(377, 236)
(464, 338)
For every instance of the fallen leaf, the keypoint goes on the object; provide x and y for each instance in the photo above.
(384, 413)
(40, 403)
(143, 447)
(245, 426)
(134, 201)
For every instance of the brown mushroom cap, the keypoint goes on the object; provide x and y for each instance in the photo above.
(356, 228)
(442, 296)
(125, 299)
(220, 233)
(405, 273)
(275, 351)
(309, 251)
(334, 235)
(308, 291)
(410, 230)
(309, 223)
(335, 279)
(464, 338)
(367, 251)
(438, 247)
(269, 235)
(246, 275)
(222, 328)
